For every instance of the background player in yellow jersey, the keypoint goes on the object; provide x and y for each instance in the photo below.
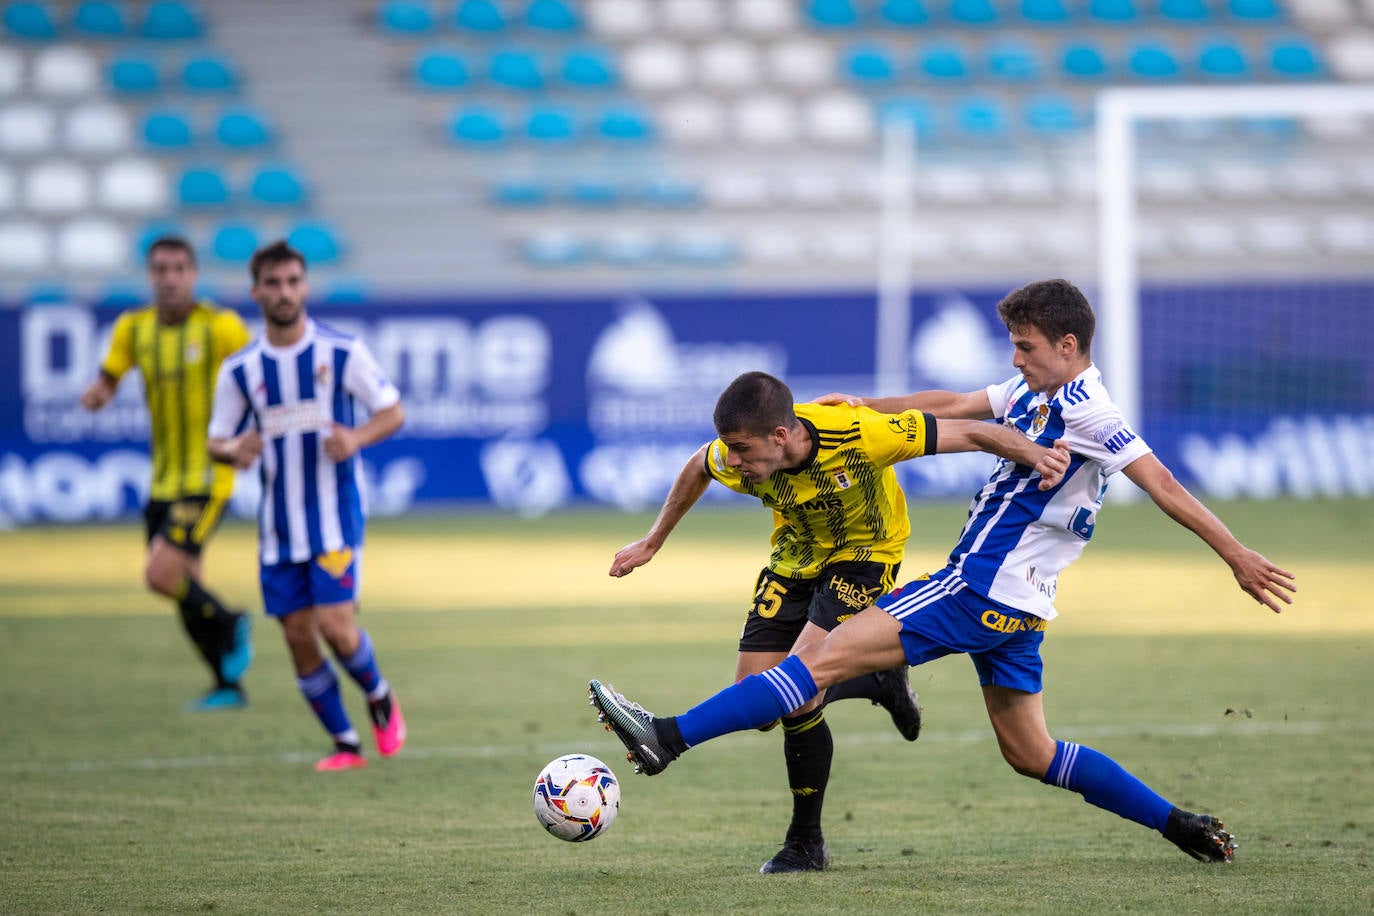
(840, 527)
(177, 343)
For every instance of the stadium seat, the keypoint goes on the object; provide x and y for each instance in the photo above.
(65, 70)
(477, 125)
(522, 192)
(91, 245)
(591, 193)
(168, 20)
(277, 186)
(551, 16)
(917, 112)
(134, 76)
(589, 68)
(1352, 56)
(1153, 60)
(657, 66)
(1044, 12)
(167, 131)
(27, 129)
(209, 74)
(691, 19)
(134, 186)
(729, 64)
(57, 187)
(554, 248)
(766, 18)
(243, 129)
(621, 19)
(98, 19)
(120, 294)
(1113, 12)
(800, 63)
(1184, 12)
(202, 187)
(153, 231)
(671, 193)
(479, 16)
(515, 69)
(904, 13)
(97, 128)
(1083, 61)
(1258, 11)
(981, 118)
(869, 65)
(633, 246)
(1050, 114)
(49, 292)
(1295, 58)
(404, 18)
(440, 71)
(693, 119)
(9, 190)
(701, 248)
(944, 62)
(551, 124)
(1014, 61)
(764, 119)
(625, 123)
(29, 22)
(11, 70)
(832, 13)
(972, 12)
(1222, 59)
(316, 241)
(839, 118)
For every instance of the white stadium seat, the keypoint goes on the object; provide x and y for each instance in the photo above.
(1277, 236)
(1203, 238)
(778, 247)
(92, 244)
(1239, 180)
(729, 65)
(1352, 55)
(840, 118)
(620, 18)
(27, 129)
(1023, 182)
(800, 63)
(25, 247)
(1063, 239)
(1169, 181)
(951, 183)
(992, 242)
(738, 189)
(1153, 241)
(690, 18)
(1322, 12)
(809, 187)
(133, 186)
(98, 128)
(1347, 234)
(931, 243)
(765, 120)
(66, 70)
(1310, 180)
(693, 119)
(765, 17)
(849, 245)
(57, 187)
(9, 190)
(657, 66)
(11, 70)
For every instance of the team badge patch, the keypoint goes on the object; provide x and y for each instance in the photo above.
(841, 478)
(1040, 419)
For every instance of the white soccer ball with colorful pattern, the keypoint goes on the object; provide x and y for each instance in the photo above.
(576, 798)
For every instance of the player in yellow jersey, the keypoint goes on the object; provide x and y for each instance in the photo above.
(840, 527)
(177, 343)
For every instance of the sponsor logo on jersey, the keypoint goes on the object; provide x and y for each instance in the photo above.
(908, 426)
(1119, 441)
(853, 595)
(1047, 587)
(1002, 623)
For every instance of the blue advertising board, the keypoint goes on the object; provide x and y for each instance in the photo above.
(529, 404)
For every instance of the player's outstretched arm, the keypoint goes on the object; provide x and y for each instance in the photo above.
(1257, 577)
(99, 392)
(1004, 442)
(691, 482)
(971, 405)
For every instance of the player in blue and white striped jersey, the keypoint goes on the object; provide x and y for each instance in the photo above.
(290, 400)
(995, 598)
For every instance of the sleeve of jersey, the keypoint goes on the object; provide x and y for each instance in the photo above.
(364, 377)
(1096, 429)
(230, 406)
(231, 334)
(121, 354)
(999, 396)
(718, 469)
(890, 438)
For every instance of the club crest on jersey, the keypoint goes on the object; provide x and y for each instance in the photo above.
(1039, 420)
(841, 478)
(322, 376)
(192, 352)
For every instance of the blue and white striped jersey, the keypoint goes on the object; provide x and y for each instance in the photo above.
(1017, 539)
(294, 395)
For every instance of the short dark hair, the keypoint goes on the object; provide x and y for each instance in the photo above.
(272, 254)
(1054, 308)
(754, 404)
(170, 243)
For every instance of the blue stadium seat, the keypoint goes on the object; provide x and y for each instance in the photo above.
(981, 118)
(554, 249)
(1050, 114)
(552, 16)
(478, 125)
(234, 243)
(402, 17)
(30, 21)
(832, 13)
(917, 112)
(479, 16)
(98, 19)
(277, 186)
(1220, 58)
(120, 295)
(153, 231)
(629, 249)
(317, 242)
(1113, 12)
(589, 68)
(1254, 10)
(1014, 61)
(593, 194)
(243, 128)
(1295, 58)
(972, 12)
(626, 123)
(551, 124)
(168, 20)
(49, 292)
(943, 62)
(869, 65)
(515, 69)
(904, 13)
(167, 131)
(1044, 12)
(209, 73)
(671, 192)
(702, 251)
(1084, 61)
(522, 192)
(1184, 12)
(134, 76)
(440, 70)
(1153, 60)
(202, 186)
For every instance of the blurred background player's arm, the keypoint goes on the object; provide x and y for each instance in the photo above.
(969, 405)
(691, 482)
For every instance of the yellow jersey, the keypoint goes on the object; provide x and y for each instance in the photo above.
(179, 363)
(843, 501)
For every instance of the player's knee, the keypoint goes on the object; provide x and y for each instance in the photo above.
(162, 579)
(1026, 761)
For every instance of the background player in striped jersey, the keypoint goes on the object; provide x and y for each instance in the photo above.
(840, 526)
(995, 597)
(177, 343)
(289, 399)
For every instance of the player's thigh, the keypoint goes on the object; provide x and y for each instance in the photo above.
(846, 588)
(777, 614)
(867, 642)
(1018, 721)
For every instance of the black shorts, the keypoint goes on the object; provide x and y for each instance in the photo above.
(782, 605)
(187, 523)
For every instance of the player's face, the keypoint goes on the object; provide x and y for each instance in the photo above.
(173, 278)
(756, 457)
(1044, 364)
(280, 292)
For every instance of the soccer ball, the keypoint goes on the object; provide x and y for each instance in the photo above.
(576, 797)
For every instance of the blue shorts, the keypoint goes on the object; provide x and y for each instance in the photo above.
(940, 615)
(330, 578)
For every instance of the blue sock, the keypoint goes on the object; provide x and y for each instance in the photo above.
(362, 667)
(1102, 782)
(321, 689)
(754, 701)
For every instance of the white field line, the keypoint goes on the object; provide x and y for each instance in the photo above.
(1229, 728)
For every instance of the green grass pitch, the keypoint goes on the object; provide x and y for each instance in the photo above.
(113, 799)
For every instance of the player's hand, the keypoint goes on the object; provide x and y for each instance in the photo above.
(341, 443)
(1263, 581)
(97, 394)
(631, 557)
(1053, 465)
(247, 448)
(836, 397)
